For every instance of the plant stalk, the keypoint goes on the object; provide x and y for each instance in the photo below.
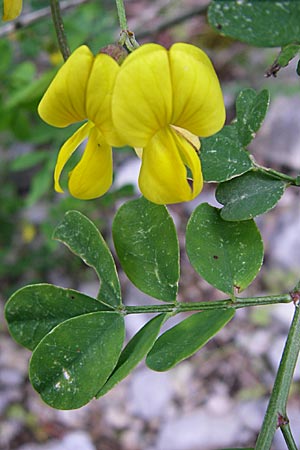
(276, 412)
(237, 303)
(122, 15)
(288, 437)
(59, 28)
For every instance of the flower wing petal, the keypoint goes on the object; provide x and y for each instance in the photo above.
(92, 176)
(67, 150)
(198, 104)
(163, 176)
(142, 97)
(98, 96)
(11, 9)
(65, 99)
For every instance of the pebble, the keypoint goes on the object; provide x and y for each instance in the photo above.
(278, 140)
(201, 430)
(149, 393)
(78, 440)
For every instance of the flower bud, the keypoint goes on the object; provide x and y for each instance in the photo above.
(117, 52)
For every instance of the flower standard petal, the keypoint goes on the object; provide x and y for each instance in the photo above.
(163, 176)
(92, 176)
(65, 100)
(142, 97)
(198, 104)
(11, 9)
(67, 150)
(98, 96)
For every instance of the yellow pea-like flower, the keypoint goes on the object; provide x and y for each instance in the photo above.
(81, 91)
(11, 9)
(161, 102)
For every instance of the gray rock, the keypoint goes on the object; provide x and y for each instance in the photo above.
(286, 240)
(200, 430)
(10, 377)
(78, 440)
(128, 173)
(275, 352)
(149, 393)
(278, 140)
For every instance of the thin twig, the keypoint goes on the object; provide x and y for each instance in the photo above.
(30, 18)
(170, 22)
(59, 29)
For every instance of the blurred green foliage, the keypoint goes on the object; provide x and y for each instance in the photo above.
(29, 207)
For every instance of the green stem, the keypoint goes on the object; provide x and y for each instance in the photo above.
(59, 28)
(288, 437)
(127, 37)
(278, 175)
(122, 15)
(237, 303)
(276, 412)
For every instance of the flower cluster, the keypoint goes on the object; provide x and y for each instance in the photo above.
(11, 9)
(158, 101)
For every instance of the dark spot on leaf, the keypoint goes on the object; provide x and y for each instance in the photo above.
(281, 420)
(295, 295)
(237, 288)
(215, 257)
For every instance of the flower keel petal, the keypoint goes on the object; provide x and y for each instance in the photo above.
(67, 150)
(163, 176)
(92, 176)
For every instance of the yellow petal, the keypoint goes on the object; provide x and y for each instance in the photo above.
(139, 151)
(190, 137)
(64, 100)
(198, 104)
(11, 9)
(163, 176)
(67, 150)
(98, 96)
(92, 176)
(142, 97)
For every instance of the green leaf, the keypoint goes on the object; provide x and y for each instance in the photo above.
(82, 237)
(249, 195)
(41, 183)
(73, 361)
(287, 53)
(186, 338)
(223, 157)
(134, 352)
(259, 23)
(28, 160)
(227, 255)
(251, 109)
(29, 90)
(147, 246)
(34, 310)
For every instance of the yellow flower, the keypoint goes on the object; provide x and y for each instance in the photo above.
(163, 100)
(81, 90)
(11, 9)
